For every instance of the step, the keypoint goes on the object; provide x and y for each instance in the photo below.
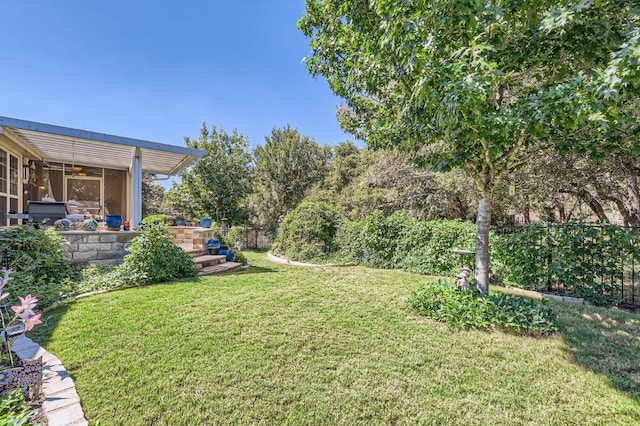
(207, 259)
(188, 248)
(221, 267)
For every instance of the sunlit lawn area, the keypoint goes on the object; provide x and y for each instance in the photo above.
(280, 344)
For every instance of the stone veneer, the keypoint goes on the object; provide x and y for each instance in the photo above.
(96, 247)
(191, 237)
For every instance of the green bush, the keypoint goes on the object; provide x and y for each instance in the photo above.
(14, 410)
(307, 233)
(40, 267)
(153, 258)
(427, 247)
(240, 258)
(398, 241)
(444, 302)
(88, 278)
(160, 218)
(236, 238)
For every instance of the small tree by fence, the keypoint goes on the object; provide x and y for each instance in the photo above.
(593, 261)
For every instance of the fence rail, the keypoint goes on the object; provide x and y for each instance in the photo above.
(576, 259)
(255, 239)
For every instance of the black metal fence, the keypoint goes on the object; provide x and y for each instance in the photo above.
(594, 261)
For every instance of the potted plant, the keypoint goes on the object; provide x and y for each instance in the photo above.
(205, 222)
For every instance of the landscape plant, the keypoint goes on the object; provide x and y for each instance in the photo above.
(23, 317)
(476, 84)
(401, 242)
(153, 258)
(443, 301)
(14, 411)
(36, 257)
(308, 232)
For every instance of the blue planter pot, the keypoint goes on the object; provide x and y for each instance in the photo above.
(113, 221)
(205, 222)
(181, 222)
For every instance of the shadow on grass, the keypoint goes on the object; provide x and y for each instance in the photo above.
(257, 270)
(42, 333)
(606, 342)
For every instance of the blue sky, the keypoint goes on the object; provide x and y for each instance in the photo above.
(156, 70)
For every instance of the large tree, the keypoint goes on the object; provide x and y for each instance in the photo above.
(219, 181)
(477, 82)
(152, 197)
(286, 166)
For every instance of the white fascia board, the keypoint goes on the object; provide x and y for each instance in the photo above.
(101, 137)
(33, 152)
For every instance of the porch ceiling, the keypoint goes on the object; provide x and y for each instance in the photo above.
(74, 146)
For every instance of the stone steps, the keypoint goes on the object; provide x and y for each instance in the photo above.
(221, 267)
(207, 260)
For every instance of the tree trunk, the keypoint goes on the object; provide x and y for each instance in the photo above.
(483, 225)
(633, 194)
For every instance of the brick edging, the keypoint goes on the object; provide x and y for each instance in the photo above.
(61, 405)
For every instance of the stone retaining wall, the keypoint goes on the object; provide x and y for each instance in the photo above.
(96, 247)
(191, 237)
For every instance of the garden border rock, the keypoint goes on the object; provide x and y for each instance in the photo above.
(277, 259)
(575, 300)
(61, 405)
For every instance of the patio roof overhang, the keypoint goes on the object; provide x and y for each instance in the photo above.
(48, 142)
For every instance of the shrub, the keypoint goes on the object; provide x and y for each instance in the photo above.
(88, 278)
(381, 237)
(239, 257)
(160, 218)
(236, 238)
(444, 302)
(427, 247)
(399, 241)
(36, 257)
(308, 232)
(153, 258)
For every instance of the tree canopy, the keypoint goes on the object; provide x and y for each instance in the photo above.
(218, 182)
(285, 168)
(474, 83)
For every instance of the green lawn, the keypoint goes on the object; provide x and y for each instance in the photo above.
(279, 344)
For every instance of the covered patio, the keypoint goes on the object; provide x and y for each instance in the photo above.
(90, 174)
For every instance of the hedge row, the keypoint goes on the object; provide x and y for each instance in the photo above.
(575, 259)
(398, 241)
(315, 232)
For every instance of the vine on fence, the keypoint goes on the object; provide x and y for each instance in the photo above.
(573, 259)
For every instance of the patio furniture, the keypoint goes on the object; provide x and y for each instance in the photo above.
(49, 210)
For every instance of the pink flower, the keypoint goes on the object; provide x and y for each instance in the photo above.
(30, 322)
(26, 308)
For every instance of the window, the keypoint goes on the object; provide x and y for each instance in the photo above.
(9, 186)
(14, 174)
(3, 171)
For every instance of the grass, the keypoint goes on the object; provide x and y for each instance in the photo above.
(280, 344)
